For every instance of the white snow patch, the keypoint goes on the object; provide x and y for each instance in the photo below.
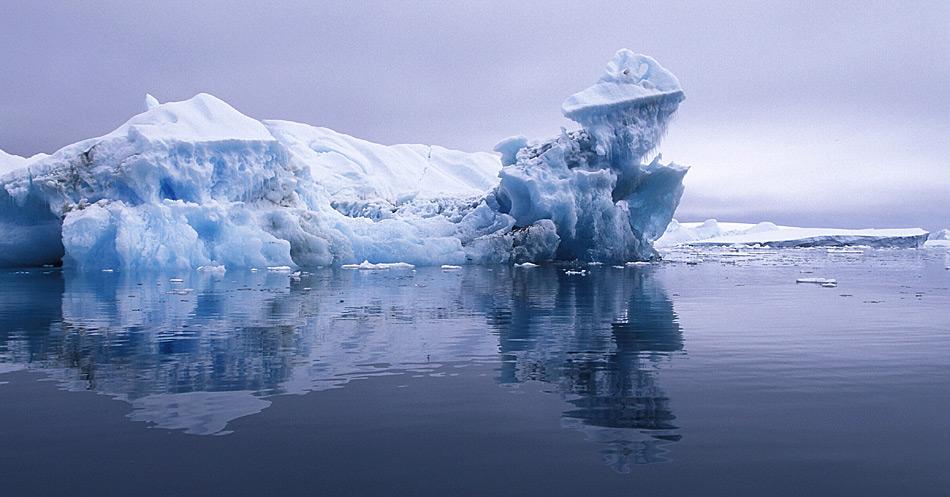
(213, 268)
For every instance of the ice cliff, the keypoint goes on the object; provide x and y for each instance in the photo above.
(197, 183)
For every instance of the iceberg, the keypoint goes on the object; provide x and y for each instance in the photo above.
(939, 239)
(606, 205)
(711, 233)
(197, 184)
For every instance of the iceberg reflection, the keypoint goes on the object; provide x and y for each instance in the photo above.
(196, 351)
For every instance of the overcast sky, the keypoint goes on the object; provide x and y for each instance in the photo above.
(823, 113)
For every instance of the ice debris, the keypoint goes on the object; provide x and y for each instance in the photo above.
(366, 265)
(818, 281)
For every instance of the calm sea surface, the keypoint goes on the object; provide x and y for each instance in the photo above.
(713, 373)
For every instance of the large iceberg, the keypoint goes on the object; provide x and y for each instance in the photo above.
(712, 233)
(939, 239)
(196, 183)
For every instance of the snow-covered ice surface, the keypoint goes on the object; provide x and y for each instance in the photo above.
(198, 184)
(10, 162)
(712, 232)
(367, 175)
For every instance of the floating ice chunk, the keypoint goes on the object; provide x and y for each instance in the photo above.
(449, 267)
(939, 239)
(213, 268)
(366, 265)
(845, 251)
(175, 280)
(637, 263)
(526, 265)
(817, 281)
(573, 272)
(280, 269)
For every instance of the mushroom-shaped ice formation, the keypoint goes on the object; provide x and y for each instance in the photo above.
(631, 79)
(606, 202)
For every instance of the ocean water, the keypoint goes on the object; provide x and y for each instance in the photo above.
(713, 373)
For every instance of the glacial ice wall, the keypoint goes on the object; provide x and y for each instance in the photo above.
(197, 183)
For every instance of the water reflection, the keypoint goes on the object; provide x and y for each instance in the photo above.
(599, 340)
(196, 351)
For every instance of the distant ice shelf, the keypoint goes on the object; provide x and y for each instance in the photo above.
(939, 239)
(198, 184)
(712, 232)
